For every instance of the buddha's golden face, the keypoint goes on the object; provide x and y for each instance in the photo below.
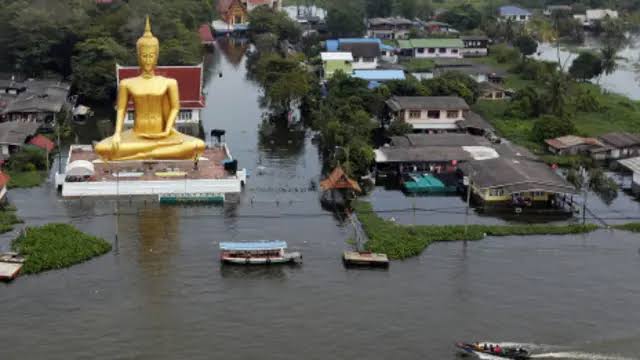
(148, 58)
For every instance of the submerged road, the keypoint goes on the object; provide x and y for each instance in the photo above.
(161, 294)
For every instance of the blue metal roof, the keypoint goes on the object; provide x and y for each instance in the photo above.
(384, 47)
(260, 245)
(513, 10)
(334, 44)
(379, 75)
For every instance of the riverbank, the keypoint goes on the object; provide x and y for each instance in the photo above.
(56, 246)
(403, 241)
(592, 110)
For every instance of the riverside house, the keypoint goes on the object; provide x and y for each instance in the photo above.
(620, 145)
(428, 113)
(517, 183)
(13, 136)
(336, 61)
(514, 13)
(431, 48)
(33, 100)
(633, 165)
(572, 145)
(367, 52)
(389, 28)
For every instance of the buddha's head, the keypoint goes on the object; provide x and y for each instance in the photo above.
(148, 48)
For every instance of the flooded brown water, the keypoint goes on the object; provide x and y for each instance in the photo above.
(161, 294)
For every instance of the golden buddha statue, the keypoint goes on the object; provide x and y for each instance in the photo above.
(156, 104)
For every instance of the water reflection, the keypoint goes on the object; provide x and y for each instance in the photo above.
(233, 49)
(253, 272)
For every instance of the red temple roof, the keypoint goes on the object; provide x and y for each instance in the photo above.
(42, 142)
(4, 179)
(189, 82)
(206, 37)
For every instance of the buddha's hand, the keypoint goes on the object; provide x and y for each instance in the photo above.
(115, 142)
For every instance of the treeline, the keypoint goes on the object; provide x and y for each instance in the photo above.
(82, 41)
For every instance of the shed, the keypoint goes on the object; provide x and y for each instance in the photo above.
(80, 168)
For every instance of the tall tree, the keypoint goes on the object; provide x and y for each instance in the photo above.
(378, 8)
(586, 66)
(346, 19)
(93, 67)
(527, 45)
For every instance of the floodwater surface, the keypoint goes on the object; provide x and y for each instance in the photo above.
(162, 294)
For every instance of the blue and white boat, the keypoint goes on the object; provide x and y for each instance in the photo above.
(263, 252)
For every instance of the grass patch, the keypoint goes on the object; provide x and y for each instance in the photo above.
(403, 241)
(26, 179)
(418, 65)
(57, 246)
(8, 219)
(633, 227)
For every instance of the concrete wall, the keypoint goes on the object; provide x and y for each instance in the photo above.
(443, 121)
(361, 64)
(133, 187)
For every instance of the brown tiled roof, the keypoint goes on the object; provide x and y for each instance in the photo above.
(339, 180)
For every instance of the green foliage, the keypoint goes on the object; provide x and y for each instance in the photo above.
(463, 17)
(29, 158)
(549, 127)
(399, 127)
(633, 227)
(8, 219)
(604, 186)
(414, 65)
(264, 19)
(57, 246)
(526, 44)
(408, 87)
(93, 67)
(26, 179)
(83, 39)
(346, 19)
(284, 81)
(505, 54)
(402, 241)
(412, 9)
(453, 83)
(586, 66)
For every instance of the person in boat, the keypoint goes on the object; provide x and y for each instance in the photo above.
(485, 347)
(497, 349)
(477, 346)
(491, 348)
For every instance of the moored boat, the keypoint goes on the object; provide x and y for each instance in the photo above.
(264, 252)
(10, 265)
(506, 352)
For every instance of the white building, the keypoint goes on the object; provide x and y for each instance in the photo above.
(432, 48)
(428, 113)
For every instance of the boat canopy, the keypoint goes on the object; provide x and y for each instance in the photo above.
(262, 245)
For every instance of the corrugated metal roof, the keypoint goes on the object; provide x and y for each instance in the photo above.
(513, 10)
(16, 132)
(632, 164)
(436, 43)
(397, 103)
(260, 245)
(621, 139)
(379, 75)
(327, 56)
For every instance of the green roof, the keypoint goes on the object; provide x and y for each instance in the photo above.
(433, 43)
(404, 44)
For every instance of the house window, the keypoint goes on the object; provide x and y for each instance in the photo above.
(538, 193)
(496, 192)
(432, 51)
(454, 51)
(184, 115)
(452, 114)
(523, 17)
(433, 114)
(130, 116)
(421, 50)
(442, 50)
(368, 59)
(414, 114)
